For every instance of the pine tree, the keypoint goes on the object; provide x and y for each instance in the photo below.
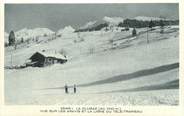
(11, 38)
(151, 24)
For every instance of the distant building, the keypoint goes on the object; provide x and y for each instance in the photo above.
(41, 59)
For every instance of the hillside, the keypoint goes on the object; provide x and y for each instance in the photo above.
(112, 71)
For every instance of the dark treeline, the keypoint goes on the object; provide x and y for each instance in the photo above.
(140, 24)
(132, 23)
(95, 28)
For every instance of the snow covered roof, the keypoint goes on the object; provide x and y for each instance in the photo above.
(55, 55)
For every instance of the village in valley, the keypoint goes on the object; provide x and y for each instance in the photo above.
(112, 59)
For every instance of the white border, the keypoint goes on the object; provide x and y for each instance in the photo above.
(33, 110)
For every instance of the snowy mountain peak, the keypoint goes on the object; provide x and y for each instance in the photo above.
(43, 30)
(113, 20)
(65, 30)
(88, 24)
(146, 18)
(23, 30)
(109, 20)
(27, 33)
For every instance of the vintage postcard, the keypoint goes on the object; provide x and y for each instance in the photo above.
(91, 58)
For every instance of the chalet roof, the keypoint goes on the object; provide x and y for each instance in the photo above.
(55, 55)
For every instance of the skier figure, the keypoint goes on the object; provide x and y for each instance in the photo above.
(74, 88)
(66, 89)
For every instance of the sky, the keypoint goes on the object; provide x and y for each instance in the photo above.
(57, 16)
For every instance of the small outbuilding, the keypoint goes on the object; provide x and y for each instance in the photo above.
(41, 59)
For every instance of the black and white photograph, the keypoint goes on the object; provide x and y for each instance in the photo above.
(124, 54)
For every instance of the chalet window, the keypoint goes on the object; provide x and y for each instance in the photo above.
(49, 59)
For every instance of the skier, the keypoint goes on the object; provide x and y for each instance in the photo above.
(66, 88)
(74, 89)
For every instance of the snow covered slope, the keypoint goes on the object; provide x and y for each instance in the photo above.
(132, 73)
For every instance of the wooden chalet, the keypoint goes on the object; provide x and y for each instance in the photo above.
(41, 59)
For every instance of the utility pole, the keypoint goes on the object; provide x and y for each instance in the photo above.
(55, 35)
(147, 36)
(78, 34)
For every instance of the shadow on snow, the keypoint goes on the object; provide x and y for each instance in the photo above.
(129, 76)
(169, 85)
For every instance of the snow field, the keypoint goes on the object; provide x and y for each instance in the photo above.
(44, 85)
